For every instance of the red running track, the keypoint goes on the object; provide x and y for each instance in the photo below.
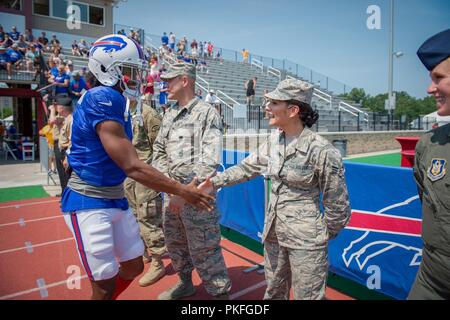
(38, 260)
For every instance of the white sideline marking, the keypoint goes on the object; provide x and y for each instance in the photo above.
(36, 245)
(247, 290)
(29, 247)
(22, 222)
(42, 288)
(28, 204)
(45, 287)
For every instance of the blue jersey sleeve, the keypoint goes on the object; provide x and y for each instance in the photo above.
(102, 105)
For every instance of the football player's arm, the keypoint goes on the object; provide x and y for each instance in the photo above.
(122, 152)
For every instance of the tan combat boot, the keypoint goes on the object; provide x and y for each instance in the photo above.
(146, 257)
(183, 288)
(154, 273)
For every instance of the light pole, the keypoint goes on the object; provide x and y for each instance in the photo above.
(390, 103)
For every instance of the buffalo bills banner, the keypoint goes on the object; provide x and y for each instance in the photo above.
(381, 247)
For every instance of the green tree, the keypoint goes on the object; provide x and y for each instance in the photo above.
(6, 112)
(357, 95)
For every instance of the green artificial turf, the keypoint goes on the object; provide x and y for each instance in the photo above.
(22, 193)
(391, 159)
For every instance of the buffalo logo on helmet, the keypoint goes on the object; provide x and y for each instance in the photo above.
(109, 45)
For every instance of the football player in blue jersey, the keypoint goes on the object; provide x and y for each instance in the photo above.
(101, 157)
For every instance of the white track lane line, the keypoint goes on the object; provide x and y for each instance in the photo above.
(18, 206)
(36, 245)
(248, 290)
(39, 288)
(22, 222)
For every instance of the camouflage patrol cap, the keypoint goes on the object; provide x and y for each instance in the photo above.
(179, 69)
(292, 89)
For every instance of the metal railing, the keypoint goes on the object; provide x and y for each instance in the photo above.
(323, 96)
(346, 105)
(257, 64)
(274, 72)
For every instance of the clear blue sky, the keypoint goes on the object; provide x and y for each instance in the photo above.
(328, 36)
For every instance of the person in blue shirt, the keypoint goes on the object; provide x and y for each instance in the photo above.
(14, 34)
(165, 39)
(5, 62)
(15, 56)
(61, 82)
(2, 34)
(100, 157)
(77, 86)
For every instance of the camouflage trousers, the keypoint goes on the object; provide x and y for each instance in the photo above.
(147, 206)
(303, 270)
(193, 240)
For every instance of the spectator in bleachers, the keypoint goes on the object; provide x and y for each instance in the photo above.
(154, 66)
(57, 56)
(14, 34)
(210, 49)
(213, 100)
(31, 56)
(77, 86)
(194, 44)
(172, 40)
(7, 42)
(122, 32)
(187, 58)
(149, 90)
(202, 66)
(163, 101)
(29, 38)
(250, 87)
(199, 94)
(245, 55)
(43, 40)
(54, 43)
(22, 45)
(5, 62)
(2, 34)
(84, 48)
(194, 55)
(135, 35)
(205, 49)
(181, 47)
(165, 39)
(163, 51)
(75, 48)
(52, 69)
(69, 69)
(200, 49)
(61, 82)
(218, 56)
(147, 54)
(15, 56)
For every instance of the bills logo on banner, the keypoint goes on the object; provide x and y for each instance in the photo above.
(385, 233)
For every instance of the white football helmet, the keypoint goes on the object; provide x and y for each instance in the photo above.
(117, 58)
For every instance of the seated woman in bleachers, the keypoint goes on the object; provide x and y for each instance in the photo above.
(84, 48)
(7, 42)
(75, 48)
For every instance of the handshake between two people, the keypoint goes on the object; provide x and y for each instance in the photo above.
(176, 203)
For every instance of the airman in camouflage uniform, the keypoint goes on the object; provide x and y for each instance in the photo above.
(300, 167)
(147, 203)
(189, 145)
(431, 172)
